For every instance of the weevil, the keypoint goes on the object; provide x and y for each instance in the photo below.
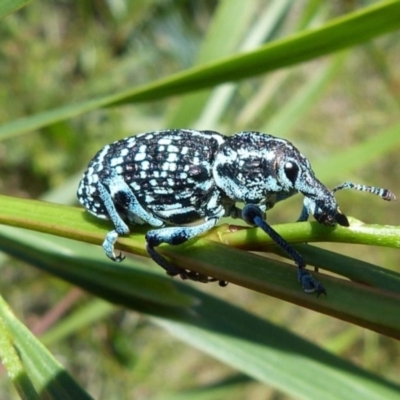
(171, 179)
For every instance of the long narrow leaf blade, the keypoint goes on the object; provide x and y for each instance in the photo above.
(9, 6)
(273, 356)
(362, 305)
(50, 379)
(256, 347)
(341, 33)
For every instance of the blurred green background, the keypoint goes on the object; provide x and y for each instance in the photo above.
(54, 53)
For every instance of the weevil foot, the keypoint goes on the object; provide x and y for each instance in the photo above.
(309, 283)
(108, 246)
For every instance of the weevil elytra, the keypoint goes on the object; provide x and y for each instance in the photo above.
(172, 178)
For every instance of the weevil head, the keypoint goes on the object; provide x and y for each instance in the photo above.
(318, 200)
(295, 173)
(325, 211)
(253, 167)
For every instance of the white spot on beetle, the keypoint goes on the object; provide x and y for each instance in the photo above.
(140, 156)
(164, 141)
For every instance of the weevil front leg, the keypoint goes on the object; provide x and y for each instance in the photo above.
(120, 193)
(253, 215)
(175, 236)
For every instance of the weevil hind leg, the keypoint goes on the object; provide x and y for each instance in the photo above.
(120, 193)
(120, 226)
(175, 236)
(108, 246)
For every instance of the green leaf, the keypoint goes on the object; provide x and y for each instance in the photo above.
(273, 356)
(227, 388)
(12, 362)
(354, 28)
(39, 374)
(297, 107)
(9, 6)
(124, 283)
(222, 39)
(255, 347)
(362, 304)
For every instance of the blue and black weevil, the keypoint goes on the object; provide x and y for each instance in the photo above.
(172, 178)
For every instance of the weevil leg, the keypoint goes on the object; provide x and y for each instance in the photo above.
(120, 193)
(123, 196)
(120, 226)
(252, 214)
(108, 246)
(305, 213)
(175, 236)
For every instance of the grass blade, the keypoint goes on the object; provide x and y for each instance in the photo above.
(255, 347)
(208, 257)
(341, 33)
(50, 379)
(9, 6)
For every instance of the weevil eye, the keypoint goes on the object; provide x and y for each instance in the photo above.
(291, 171)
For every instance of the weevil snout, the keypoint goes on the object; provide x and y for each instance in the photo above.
(341, 219)
(332, 219)
(324, 208)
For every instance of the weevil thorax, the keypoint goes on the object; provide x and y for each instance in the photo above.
(253, 167)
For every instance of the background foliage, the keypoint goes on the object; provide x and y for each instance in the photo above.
(63, 53)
